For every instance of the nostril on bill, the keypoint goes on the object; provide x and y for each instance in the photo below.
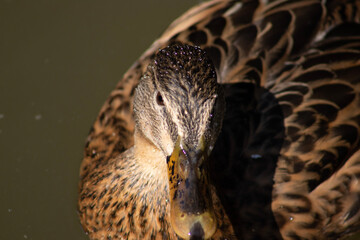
(197, 232)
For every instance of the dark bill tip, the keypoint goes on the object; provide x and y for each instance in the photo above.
(197, 232)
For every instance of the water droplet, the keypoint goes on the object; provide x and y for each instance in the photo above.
(291, 218)
(38, 117)
(256, 156)
(184, 152)
(25, 236)
(211, 147)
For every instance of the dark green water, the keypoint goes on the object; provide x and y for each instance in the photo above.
(59, 61)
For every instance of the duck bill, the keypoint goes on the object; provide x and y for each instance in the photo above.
(191, 212)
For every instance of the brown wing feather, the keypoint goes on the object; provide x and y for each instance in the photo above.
(315, 183)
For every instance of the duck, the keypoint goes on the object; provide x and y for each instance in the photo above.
(242, 121)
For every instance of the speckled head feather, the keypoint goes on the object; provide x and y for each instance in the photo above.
(183, 78)
(188, 66)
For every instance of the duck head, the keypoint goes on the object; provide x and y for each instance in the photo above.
(178, 108)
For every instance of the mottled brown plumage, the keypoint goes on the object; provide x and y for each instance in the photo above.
(286, 163)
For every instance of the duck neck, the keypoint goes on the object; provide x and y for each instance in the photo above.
(149, 178)
(149, 157)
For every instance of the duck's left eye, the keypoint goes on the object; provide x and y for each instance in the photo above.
(159, 99)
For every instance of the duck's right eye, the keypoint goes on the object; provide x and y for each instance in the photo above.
(159, 99)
